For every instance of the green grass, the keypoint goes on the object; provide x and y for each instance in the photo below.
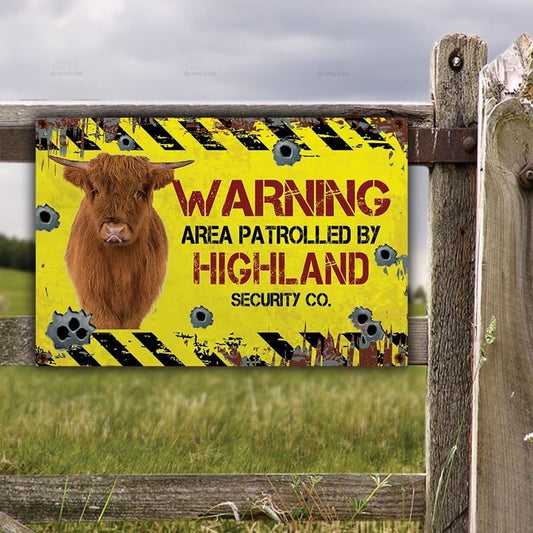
(111, 421)
(126, 421)
(18, 288)
(417, 309)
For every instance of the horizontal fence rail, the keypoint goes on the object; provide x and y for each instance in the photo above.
(23, 114)
(159, 497)
(17, 120)
(18, 341)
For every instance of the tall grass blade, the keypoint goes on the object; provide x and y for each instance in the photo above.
(104, 508)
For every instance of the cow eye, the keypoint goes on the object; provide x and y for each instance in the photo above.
(140, 194)
(95, 192)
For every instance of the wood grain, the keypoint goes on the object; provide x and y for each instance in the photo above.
(17, 341)
(451, 303)
(39, 498)
(17, 120)
(23, 114)
(9, 525)
(502, 469)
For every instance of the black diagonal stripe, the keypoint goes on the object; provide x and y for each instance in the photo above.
(42, 143)
(314, 338)
(328, 135)
(158, 349)
(200, 133)
(116, 349)
(160, 134)
(353, 336)
(246, 137)
(82, 357)
(108, 126)
(209, 358)
(111, 126)
(369, 133)
(278, 344)
(282, 130)
(79, 138)
(121, 133)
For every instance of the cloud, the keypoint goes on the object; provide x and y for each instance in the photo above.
(236, 50)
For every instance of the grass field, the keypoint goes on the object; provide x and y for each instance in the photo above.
(94, 421)
(18, 288)
(125, 421)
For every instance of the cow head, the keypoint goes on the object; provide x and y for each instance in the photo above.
(118, 192)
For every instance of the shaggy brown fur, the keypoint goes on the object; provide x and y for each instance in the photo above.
(117, 251)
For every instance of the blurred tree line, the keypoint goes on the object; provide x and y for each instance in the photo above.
(17, 253)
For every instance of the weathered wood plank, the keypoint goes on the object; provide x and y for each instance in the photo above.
(23, 114)
(17, 144)
(456, 62)
(9, 525)
(17, 120)
(502, 461)
(17, 341)
(40, 498)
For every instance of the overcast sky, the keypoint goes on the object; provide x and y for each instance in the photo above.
(233, 51)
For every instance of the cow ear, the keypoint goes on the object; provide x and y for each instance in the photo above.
(161, 178)
(163, 173)
(73, 171)
(76, 176)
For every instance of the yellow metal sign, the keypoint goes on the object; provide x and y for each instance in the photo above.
(222, 242)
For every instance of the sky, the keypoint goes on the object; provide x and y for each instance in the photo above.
(234, 51)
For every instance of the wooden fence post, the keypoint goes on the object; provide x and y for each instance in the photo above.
(502, 445)
(457, 60)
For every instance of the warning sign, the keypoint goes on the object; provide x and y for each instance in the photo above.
(221, 242)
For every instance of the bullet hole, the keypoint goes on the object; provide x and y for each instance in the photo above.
(126, 143)
(285, 150)
(362, 319)
(360, 316)
(373, 331)
(385, 256)
(73, 328)
(201, 317)
(62, 332)
(46, 218)
(286, 153)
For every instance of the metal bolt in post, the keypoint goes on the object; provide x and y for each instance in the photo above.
(456, 62)
(469, 144)
(525, 177)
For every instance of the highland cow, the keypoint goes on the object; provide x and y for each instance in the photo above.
(117, 251)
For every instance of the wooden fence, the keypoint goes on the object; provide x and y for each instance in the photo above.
(477, 342)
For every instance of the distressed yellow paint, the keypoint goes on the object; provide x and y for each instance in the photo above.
(384, 293)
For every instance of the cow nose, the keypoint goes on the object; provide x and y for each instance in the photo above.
(114, 229)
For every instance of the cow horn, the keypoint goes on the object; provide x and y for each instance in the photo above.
(167, 166)
(68, 163)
